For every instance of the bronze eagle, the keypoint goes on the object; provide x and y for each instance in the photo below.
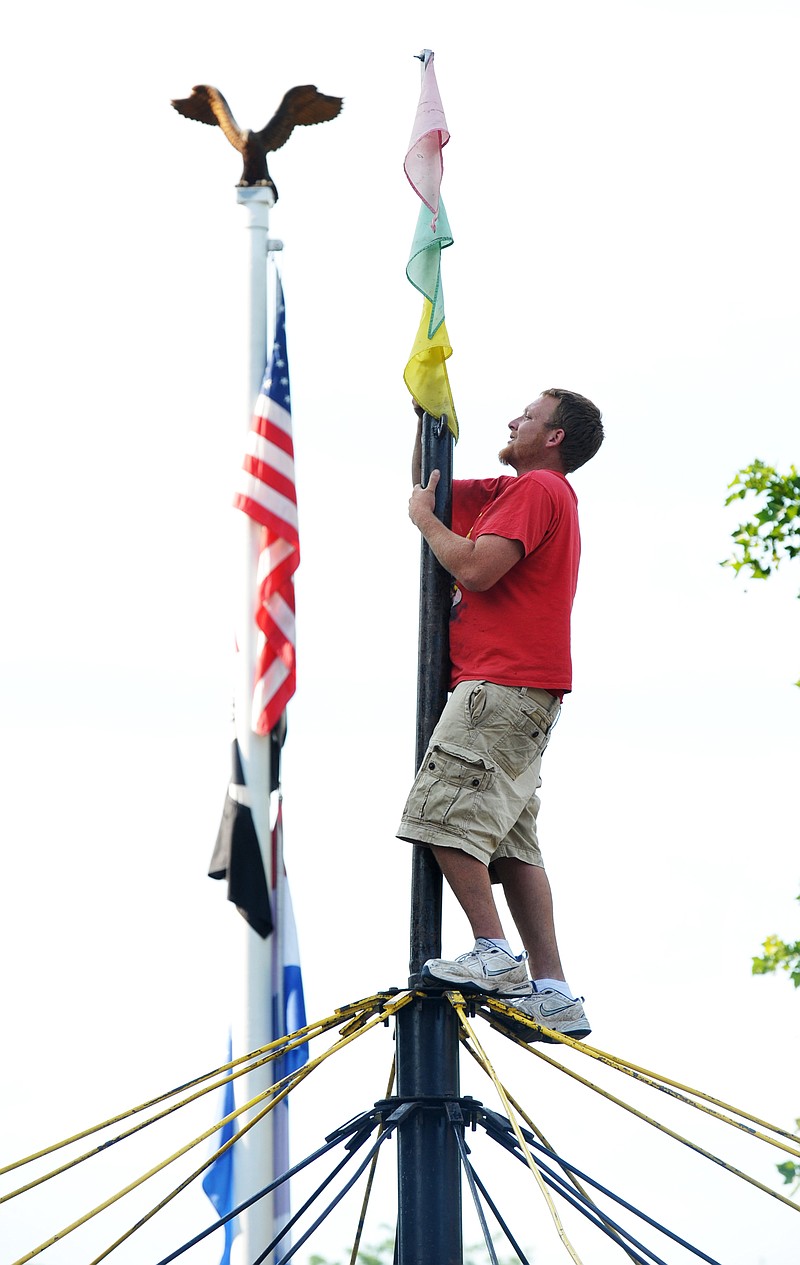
(300, 105)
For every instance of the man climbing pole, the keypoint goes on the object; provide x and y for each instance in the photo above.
(513, 553)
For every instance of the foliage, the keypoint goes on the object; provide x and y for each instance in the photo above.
(790, 1172)
(780, 956)
(773, 534)
(383, 1254)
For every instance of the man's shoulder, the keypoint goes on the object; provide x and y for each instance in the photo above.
(490, 487)
(547, 478)
(546, 488)
(552, 482)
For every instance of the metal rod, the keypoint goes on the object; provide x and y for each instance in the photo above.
(396, 1119)
(457, 1121)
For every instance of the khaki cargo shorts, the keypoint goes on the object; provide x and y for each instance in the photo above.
(476, 787)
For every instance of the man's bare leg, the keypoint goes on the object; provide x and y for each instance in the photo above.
(530, 902)
(469, 879)
(490, 968)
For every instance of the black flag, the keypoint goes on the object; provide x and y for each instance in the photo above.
(237, 855)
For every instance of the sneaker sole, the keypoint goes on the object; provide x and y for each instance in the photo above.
(473, 986)
(529, 1034)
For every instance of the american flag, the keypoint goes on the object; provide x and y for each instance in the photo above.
(266, 493)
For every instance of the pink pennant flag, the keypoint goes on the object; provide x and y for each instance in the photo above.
(423, 163)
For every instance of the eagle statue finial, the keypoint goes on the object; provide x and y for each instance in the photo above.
(299, 106)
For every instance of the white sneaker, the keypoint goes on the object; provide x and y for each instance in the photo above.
(484, 969)
(552, 1010)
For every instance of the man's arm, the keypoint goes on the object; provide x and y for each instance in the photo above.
(475, 564)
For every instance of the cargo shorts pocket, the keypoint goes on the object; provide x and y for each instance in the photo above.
(521, 740)
(449, 786)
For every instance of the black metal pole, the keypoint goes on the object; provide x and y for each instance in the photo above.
(428, 1172)
(428, 1162)
(433, 672)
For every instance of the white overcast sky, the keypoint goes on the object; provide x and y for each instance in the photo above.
(622, 187)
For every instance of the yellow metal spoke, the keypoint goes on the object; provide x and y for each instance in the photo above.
(579, 1187)
(655, 1124)
(662, 1083)
(280, 1046)
(458, 1004)
(390, 1007)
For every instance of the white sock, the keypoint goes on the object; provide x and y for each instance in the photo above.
(560, 985)
(500, 944)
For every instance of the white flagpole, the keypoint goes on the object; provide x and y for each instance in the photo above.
(281, 1201)
(253, 1156)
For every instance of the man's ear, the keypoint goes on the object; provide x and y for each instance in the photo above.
(555, 437)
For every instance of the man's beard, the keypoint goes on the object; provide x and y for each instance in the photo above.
(504, 455)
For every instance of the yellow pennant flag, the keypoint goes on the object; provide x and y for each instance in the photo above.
(426, 375)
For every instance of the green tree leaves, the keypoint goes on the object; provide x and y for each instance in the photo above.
(781, 956)
(790, 1171)
(383, 1254)
(760, 545)
(773, 534)
(778, 955)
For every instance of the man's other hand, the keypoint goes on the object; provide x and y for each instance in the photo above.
(423, 499)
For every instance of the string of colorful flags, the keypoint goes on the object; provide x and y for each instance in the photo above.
(426, 371)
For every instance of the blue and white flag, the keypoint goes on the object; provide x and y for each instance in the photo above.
(288, 1010)
(218, 1181)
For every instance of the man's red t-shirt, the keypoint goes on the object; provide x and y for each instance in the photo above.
(518, 631)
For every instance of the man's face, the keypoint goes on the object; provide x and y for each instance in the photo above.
(530, 445)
